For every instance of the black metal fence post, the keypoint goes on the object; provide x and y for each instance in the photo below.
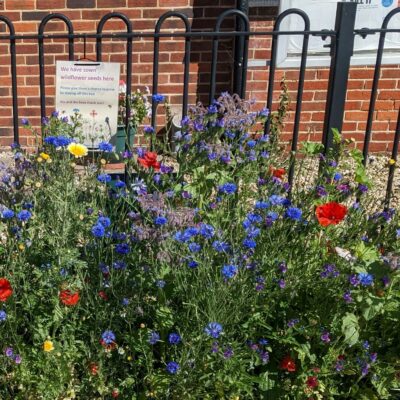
(238, 83)
(341, 52)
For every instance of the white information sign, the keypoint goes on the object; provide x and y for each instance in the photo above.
(322, 13)
(92, 90)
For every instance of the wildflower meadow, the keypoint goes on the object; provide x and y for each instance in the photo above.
(199, 273)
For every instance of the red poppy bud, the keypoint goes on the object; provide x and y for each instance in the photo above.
(94, 368)
(103, 295)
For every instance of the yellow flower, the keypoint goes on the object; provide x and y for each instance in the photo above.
(45, 156)
(48, 346)
(392, 162)
(129, 358)
(21, 247)
(39, 159)
(103, 161)
(78, 150)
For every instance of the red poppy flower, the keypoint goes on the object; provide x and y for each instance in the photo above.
(68, 298)
(5, 289)
(288, 364)
(330, 213)
(149, 160)
(312, 382)
(277, 172)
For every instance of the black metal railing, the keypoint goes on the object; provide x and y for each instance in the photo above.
(342, 46)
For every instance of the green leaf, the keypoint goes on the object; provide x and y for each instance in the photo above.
(337, 137)
(357, 156)
(350, 329)
(372, 307)
(368, 254)
(312, 148)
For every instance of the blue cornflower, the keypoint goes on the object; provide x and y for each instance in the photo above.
(7, 213)
(105, 146)
(212, 156)
(252, 232)
(25, 121)
(337, 177)
(27, 205)
(254, 218)
(251, 143)
(212, 109)
(225, 158)
(120, 184)
(249, 243)
(264, 154)
(119, 265)
(160, 283)
(227, 188)
(62, 141)
(276, 200)
(98, 230)
(3, 315)
(108, 337)
(122, 248)
(50, 140)
(158, 98)
(366, 279)
(252, 156)
(172, 368)
(194, 247)
(398, 233)
(186, 235)
(208, 231)
(264, 112)
(229, 271)
(213, 329)
(125, 301)
(260, 205)
(160, 220)
(220, 246)
(149, 130)
(105, 221)
(193, 264)
(24, 215)
(154, 337)
(293, 213)
(174, 338)
(104, 178)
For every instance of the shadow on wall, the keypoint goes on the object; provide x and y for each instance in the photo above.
(205, 15)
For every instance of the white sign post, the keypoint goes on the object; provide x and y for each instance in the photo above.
(92, 90)
(322, 13)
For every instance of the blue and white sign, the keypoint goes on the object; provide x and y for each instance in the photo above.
(322, 13)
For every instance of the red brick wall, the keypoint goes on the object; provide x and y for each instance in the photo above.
(85, 14)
